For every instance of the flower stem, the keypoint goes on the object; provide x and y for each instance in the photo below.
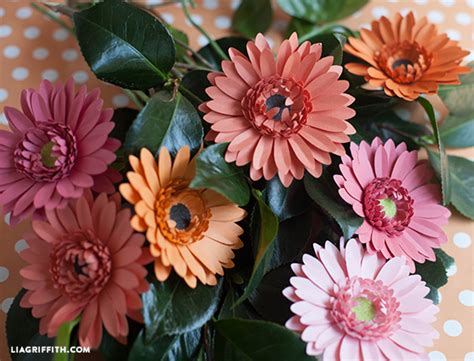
(63, 339)
(51, 15)
(133, 97)
(192, 66)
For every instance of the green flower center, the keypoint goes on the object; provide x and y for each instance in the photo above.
(365, 309)
(389, 207)
(46, 155)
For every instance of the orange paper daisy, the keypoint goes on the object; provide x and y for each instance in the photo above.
(193, 231)
(405, 57)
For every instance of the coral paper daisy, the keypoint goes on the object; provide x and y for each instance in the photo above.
(392, 191)
(58, 146)
(281, 115)
(85, 260)
(351, 305)
(193, 231)
(405, 57)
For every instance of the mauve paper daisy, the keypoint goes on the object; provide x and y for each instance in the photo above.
(282, 115)
(352, 305)
(406, 57)
(396, 196)
(85, 261)
(192, 231)
(58, 146)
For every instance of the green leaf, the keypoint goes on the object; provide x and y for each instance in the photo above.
(259, 341)
(171, 307)
(124, 45)
(228, 310)
(444, 173)
(225, 44)
(323, 191)
(22, 330)
(458, 131)
(321, 11)
(213, 172)
(286, 202)
(461, 173)
(265, 225)
(458, 98)
(253, 17)
(183, 347)
(123, 119)
(196, 82)
(181, 36)
(165, 122)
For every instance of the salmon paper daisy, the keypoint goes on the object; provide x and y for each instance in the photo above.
(394, 193)
(406, 57)
(282, 115)
(353, 305)
(193, 231)
(58, 146)
(85, 261)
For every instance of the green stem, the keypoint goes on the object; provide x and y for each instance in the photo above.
(195, 53)
(190, 93)
(63, 339)
(319, 30)
(192, 67)
(51, 15)
(145, 98)
(133, 98)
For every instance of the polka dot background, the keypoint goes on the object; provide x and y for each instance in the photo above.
(33, 47)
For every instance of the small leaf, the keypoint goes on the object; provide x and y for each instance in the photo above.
(253, 17)
(171, 307)
(213, 172)
(255, 340)
(286, 202)
(165, 122)
(124, 45)
(226, 43)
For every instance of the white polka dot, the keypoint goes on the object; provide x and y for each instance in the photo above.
(31, 32)
(447, 3)
(11, 51)
(4, 273)
(435, 16)
(70, 54)
(469, 356)
(210, 4)
(196, 18)
(5, 31)
(40, 53)
(470, 3)
(153, 2)
(202, 40)
(462, 240)
(406, 11)
(7, 302)
(2, 12)
(7, 216)
(453, 34)
(120, 100)
(21, 245)
(421, 2)
(3, 94)
(270, 41)
(3, 120)
(60, 35)
(452, 328)
(50, 74)
(80, 76)
(169, 18)
(379, 11)
(24, 12)
(20, 73)
(235, 4)
(451, 271)
(466, 297)
(366, 26)
(436, 356)
(440, 296)
(470, 57)
(222, 22)
(463, 18)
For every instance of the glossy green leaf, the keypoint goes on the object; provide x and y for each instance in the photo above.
(461, 172)
(213, 172)
(228, 310)
(259, 341)
(286, 202)
(123, 119)
(458, 131)
(165, 122)
(124, 45)
(179, 36)
(171, 307)
(253, 17)
(196, 82)
(458, 98)
(226, 43)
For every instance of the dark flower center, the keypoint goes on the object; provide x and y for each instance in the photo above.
(277, 101)
(181, 215)
(401, 62)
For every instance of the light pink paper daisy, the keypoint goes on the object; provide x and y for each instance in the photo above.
(85, 260)
(352, 305)
(282, 115)
(58, 146)
(394, 193)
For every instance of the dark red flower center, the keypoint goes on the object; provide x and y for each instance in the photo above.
(47, 152)
(80, 265)
(387, 205)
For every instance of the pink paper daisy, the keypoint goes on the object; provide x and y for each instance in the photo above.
(85, 260)
(58, 146)
(394, 193)
(281, 115)
(352, 305)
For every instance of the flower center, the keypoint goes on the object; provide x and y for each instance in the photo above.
(404, 62)
(387, 205)
(277, 101)
(365, 309)
(181, 215)
(46, 153)
(80, 265)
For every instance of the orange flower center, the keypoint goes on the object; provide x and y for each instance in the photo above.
(404, 62)
(181, 215)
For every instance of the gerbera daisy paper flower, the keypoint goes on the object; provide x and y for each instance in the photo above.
(282, 115)
(193, 231)
(406, 57)
(352, 305)
(393, 192)
(58, 146)
(85, 260)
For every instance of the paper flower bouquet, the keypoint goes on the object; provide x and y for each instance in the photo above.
(257, 203)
